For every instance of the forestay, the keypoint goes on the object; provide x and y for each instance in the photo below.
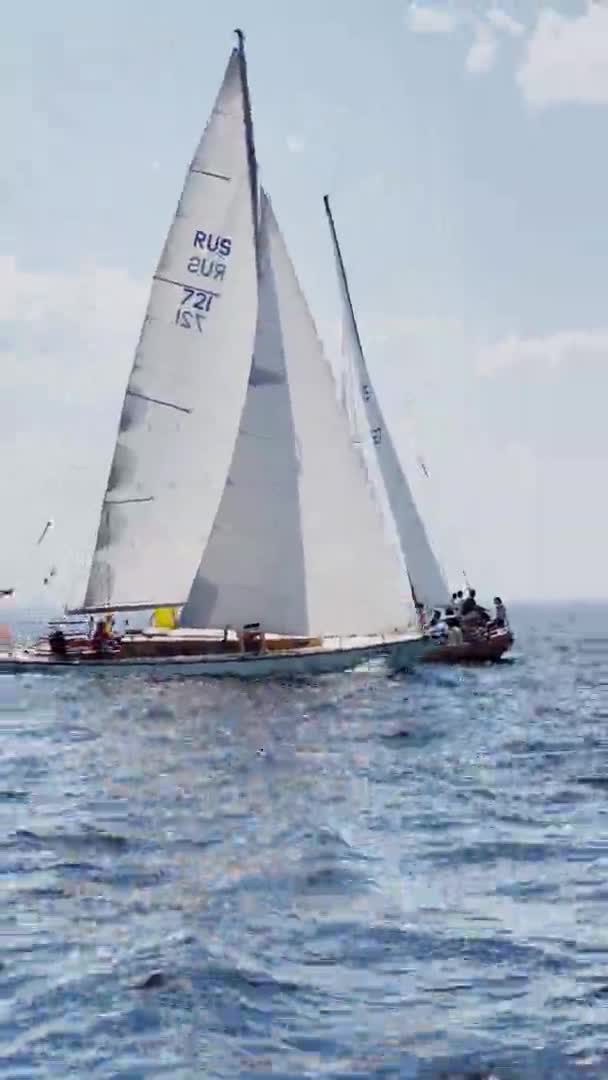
(298, 543)
(382, 459)
(189, 378)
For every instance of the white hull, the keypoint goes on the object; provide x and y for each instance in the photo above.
(279, 665)
(401, 657)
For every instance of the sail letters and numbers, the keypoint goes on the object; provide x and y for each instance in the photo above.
(176, 430)
(222, 499)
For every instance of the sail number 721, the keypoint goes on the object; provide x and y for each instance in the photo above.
(194, 308)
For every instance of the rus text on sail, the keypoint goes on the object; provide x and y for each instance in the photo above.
(219, 247)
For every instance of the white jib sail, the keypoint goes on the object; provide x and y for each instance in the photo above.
(298, 543)
(189, 378)
(423, 568)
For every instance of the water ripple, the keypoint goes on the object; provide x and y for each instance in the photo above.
(353, 877)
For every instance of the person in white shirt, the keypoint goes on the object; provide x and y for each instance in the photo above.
(500, 617)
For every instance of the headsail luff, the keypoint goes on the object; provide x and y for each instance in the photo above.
(250, 141)
(189, 378)
(298, 541)
(423, 568)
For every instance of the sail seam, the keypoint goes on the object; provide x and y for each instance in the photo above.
(121, 502)
(181, 284)
(216, 175)
(158, 401)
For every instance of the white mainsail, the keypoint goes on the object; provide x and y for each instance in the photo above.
(426, 577)
(189, 378)
(298, 542)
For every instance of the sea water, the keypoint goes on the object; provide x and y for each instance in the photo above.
(357, 876)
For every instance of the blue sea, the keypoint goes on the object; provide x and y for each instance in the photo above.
(355, 877)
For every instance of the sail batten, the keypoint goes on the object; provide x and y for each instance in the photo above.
(207, 172)
(423, 569)
(188, 383)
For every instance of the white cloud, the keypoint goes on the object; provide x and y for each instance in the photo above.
(94, 299)
(427, 20)
(567, 59)
(295, 144)
(566, 347)
(66, 334)
(482, 54)
(505, 23)
(66, 345)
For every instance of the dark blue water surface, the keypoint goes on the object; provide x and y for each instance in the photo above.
(353, 877)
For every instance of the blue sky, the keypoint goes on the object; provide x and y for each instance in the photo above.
(464, 146)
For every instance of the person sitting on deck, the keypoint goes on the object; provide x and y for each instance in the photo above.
(474, 617)
(452, 622)
(420, 614)
(438, 626)
(252, 638)
(472, 610)
(58, 644)
(469, 603)
(451, 617)
(101, 637)
(500, 617)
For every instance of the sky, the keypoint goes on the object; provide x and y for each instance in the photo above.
(464, 148)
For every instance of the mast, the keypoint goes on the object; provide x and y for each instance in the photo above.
(250, 141)
(342, 271)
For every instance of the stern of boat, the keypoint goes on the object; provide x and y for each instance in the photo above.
(402, 655)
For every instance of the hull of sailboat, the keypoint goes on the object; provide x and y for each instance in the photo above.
(484, 650)
(269, 665)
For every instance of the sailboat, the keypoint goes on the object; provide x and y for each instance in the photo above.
(426, 577)
(235, 494)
